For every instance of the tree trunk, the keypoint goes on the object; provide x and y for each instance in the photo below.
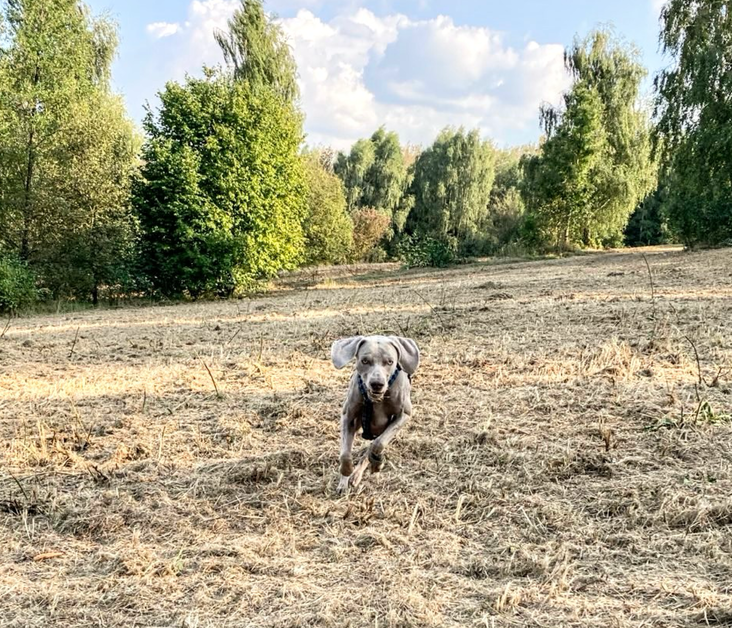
(28, 186)
(27, 209)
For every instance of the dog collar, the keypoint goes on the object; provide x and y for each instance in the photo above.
(392, 379)
(368, 406)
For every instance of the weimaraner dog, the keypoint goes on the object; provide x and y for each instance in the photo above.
(378, 399)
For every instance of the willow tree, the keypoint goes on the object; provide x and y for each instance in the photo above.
(595, 163)
(694, 111)
(375, 175)
(256, 49)
(452, 186)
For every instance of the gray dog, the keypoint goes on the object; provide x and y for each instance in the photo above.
(378, 399)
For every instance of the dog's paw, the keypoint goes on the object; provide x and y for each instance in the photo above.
(376, 462)
(344, 484)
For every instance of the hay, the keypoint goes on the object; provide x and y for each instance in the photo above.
(568, 463)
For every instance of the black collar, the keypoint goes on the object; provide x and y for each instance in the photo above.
(368, 406)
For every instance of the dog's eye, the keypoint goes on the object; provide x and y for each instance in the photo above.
(364, 361)
(391, 362)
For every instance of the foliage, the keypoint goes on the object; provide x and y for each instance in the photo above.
(506, 206)
(222, 195)
(17, 285)
(256, 49)
(694, 132)
(375, 174)
(328, 227)
(98, 254)
(648, 224)
(452, 187)
(427, 252)
(67, 147)
(369, 227)
(595, 165)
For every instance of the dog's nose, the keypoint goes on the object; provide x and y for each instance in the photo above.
(377, 386)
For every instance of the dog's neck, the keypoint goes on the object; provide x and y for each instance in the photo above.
(365, 393)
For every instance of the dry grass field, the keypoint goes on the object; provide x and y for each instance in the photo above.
(569, 462)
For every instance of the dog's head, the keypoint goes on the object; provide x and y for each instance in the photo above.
(377, 357)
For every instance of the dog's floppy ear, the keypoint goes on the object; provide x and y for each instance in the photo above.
(344, 350)
(408, 353)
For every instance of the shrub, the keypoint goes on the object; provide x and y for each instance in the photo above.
(428, 252)
(17, 285)
(369, 227)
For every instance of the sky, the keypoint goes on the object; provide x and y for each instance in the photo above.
(413, 66)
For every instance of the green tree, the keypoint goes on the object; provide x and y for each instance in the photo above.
(694, 113)
(595, 164)
(648, 224)
(376, 175)
(452, 186)
(328, 227)
(66, 145)
(506, 206)
(222, 195)
(98, 251)
(256, 49)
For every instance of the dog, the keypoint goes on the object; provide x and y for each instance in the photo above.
(378, 400)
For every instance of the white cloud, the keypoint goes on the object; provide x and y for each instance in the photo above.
(359, 71)
(159, 30)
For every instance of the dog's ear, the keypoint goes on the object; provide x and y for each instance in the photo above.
(344, 350)
(408, 353)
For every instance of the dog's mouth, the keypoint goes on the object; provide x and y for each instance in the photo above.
(376, 397)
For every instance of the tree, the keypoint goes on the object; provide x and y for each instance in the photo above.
(222, 195)
(595, 164)
(256, 49)
(694, 114)
(506, 206)
(353, 169)
(328, 227)
(452, 187)
(98, 251)
(375, 175)
(648, 225)
(66, 144)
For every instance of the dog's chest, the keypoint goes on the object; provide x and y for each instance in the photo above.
(383, 414)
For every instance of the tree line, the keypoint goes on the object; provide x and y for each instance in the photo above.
(219, 191)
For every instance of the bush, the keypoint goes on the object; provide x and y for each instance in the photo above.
(17, 285)
(369, 227)
(428, 252)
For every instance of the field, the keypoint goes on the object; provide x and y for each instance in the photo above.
(568, 464)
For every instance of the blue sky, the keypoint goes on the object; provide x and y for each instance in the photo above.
(414, 66)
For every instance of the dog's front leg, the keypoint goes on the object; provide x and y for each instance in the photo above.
(348, 432)
(376, 451)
